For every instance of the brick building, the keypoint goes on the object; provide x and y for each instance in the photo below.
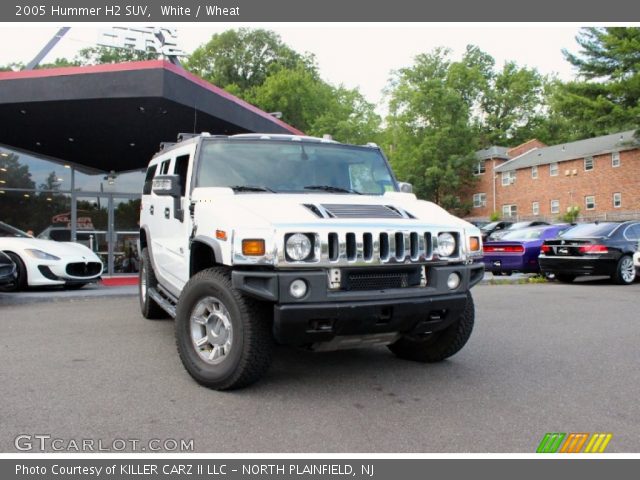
(599, 175)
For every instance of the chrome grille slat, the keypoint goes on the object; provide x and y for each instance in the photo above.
(355, 246)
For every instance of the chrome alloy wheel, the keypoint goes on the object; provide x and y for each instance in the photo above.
(627, 270)
(211, 330)
(143, 281)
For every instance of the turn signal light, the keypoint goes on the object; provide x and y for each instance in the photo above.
(474, 244)
(221, 235)
(253, 247)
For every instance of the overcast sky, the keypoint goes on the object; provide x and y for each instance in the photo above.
(356, 55)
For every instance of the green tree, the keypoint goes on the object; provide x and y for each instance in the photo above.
(431, 128)
(240, 60)
(514, 106)
(606, 96)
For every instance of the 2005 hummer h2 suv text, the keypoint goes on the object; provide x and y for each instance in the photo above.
(253, 238)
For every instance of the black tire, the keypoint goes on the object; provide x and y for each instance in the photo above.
(74, 286)
(147, 279)
(438, 346)
(248, 356)
(565, 277)
(21, 282)
(620, 277)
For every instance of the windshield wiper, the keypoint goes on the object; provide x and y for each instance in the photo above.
(331, 188)
(251, 188)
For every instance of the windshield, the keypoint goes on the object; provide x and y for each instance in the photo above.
(9, 231)
(590, 230)
(287, 166)
(518, 225)
(524, 234)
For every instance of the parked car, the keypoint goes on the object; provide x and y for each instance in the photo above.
(7, 270)
(478, 223)
(489, 228)
(497, 235)
(636, 263)
(46, 262)
(518, 250)
(601, 248)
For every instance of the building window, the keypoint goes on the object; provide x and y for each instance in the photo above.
(534, 171)
(508, 178)
(590, 202)
(509, 210)
(535, 208)
(588, 163)
(479, 200)
(553, 169)
(615, 159)
(555, 206)
(479, 168)
(617, 200)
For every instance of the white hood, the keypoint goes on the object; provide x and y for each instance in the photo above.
(263, 210)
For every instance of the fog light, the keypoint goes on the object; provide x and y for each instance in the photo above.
(453, 281)
(298, 288)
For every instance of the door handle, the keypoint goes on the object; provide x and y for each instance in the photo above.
(167, 212)
(151, 209)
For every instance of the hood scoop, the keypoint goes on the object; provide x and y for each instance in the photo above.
(338, 210)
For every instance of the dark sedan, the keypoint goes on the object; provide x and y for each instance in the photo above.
(489, 228)
(603, 248)
(7, 270)
(518, 251)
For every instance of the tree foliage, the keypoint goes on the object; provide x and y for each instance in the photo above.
(606, 96)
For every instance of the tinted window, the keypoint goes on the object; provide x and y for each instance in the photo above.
(590, 230)
(164, 167)
(180, 169)
(148, 180)
(9, 231)
(633, 232)
(490, 226)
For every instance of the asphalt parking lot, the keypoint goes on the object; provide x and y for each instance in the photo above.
(543, 358)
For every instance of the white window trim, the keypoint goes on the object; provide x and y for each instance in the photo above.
(510, 207)
(482, 197)
(551, 165)
(586, 203)
(477, 171)
(535, 208)
(613, 158)
(614, 200)
(593, 164)
(557, 203)
(534, 171)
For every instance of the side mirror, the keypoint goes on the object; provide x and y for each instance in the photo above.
(166, 185)
(169, 186)
(405, 187)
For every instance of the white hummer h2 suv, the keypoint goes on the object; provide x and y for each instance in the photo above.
(250, 239)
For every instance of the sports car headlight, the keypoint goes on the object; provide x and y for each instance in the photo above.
(35, 253)
(298, 247)
(446, 244)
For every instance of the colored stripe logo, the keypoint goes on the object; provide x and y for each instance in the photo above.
(574, 443)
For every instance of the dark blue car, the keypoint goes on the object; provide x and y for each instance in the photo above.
(518, 251)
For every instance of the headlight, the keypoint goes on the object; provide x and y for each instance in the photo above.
(298, 246)
(40, 254)
(446, 244)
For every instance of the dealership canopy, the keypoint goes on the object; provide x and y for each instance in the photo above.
(114, 117)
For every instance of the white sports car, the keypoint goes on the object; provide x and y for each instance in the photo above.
(47, 262)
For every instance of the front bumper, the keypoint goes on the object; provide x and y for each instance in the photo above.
(324, 314)
(578, 265)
